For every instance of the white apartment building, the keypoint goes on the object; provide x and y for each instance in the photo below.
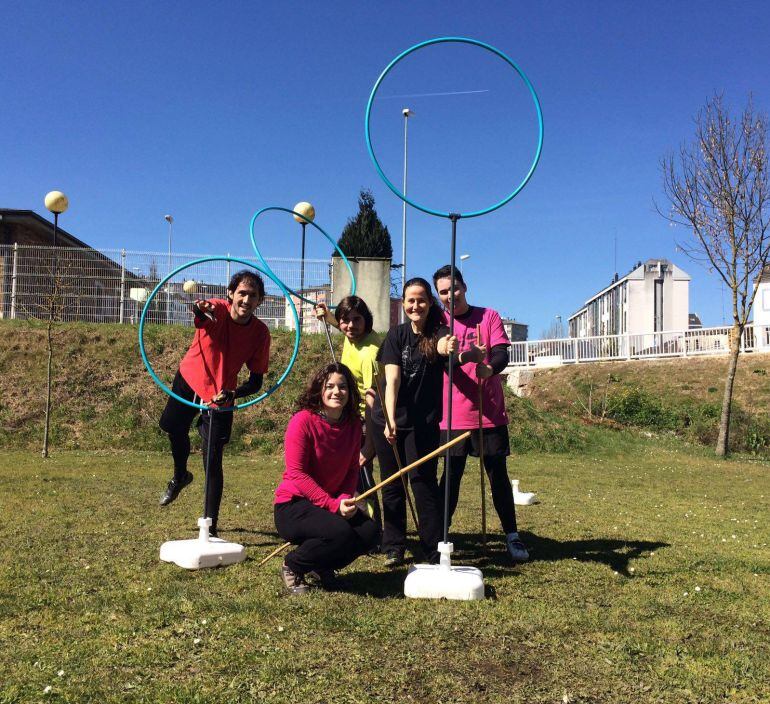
(762, 311)
(652, 297)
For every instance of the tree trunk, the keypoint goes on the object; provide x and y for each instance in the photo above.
(723, 441)
(48, 385)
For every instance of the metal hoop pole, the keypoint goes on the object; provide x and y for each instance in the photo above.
(454, 217)
(208, 464)
(481, 453)
(329, 340)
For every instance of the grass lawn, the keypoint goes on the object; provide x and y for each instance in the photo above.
(649, 582)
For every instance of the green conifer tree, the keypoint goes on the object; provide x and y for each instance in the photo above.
(364, 235)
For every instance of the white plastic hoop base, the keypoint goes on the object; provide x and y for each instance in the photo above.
(522, 498)
(203, 551)
(443, 581)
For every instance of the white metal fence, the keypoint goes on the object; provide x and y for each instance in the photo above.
(680, 343)
(112, 286)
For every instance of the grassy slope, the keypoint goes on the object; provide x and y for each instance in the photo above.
(105, 399)
(648, 583)
(683, 396)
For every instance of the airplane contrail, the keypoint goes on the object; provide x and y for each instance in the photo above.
(431, 95)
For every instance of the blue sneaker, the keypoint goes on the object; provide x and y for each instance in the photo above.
(516, 549)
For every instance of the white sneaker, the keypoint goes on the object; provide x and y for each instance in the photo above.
(516, 549)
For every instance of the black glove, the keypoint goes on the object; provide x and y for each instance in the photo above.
(224, 398)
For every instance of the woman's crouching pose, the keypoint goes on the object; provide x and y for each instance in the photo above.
(314, 507)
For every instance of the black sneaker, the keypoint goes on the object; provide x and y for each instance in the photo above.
(326, 579)
(294, 583)
(174, 487)
(394, 558)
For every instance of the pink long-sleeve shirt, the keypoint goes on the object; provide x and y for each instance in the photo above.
(321, 460)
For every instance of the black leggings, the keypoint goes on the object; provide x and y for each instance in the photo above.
(502, 494)
(412, 445)
(176, 420)
(325, 540)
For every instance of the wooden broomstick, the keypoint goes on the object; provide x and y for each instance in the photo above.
(481, 453)
(397, 454)
(410, 467)
(384, 482)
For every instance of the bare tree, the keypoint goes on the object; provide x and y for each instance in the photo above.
(718, 188)
(48, 304)
(554, 331)
(54, 302)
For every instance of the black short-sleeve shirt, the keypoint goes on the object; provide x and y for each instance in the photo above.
(420, 394)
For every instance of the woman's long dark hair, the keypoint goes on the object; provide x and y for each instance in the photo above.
(429, 335)
(311, 398)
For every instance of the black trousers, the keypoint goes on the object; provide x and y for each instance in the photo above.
(412, 444)
(325, 540)
(496, 444)
(176, 420)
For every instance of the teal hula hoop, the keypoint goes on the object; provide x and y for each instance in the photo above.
(510, 62)
(274, 276)
(262, 396)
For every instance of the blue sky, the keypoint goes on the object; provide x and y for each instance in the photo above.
(210, 111)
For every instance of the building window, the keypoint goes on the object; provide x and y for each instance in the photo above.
(658, 305)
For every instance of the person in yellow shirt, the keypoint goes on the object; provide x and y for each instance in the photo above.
(359, 354)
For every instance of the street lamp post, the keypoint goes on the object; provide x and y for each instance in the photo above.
(407, 113)
(308, 211)
(57, 203)
(463, 257)
(170, 220)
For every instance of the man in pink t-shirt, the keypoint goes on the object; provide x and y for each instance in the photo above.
(479, 361)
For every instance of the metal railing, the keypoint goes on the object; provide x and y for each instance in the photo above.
(111, 286)
(654, 345)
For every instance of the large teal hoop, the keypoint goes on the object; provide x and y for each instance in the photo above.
(510, 62)
(262, 396)
(317, 227)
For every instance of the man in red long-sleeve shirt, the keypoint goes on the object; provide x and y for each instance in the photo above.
(227, 336)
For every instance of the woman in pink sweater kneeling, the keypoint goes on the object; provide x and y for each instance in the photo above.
(314, 507)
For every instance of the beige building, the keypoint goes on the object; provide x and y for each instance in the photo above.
(653, 297)
(761, 311)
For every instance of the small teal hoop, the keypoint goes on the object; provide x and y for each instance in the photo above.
(262, 396)
(317, 227)
(510, 62)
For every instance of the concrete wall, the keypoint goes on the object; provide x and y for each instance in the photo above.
(762, 315)
(679, 310)
(372, 284)
(639, 319)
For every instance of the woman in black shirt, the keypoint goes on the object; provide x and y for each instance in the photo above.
(413, 355)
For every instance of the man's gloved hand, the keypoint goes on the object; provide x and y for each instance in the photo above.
(224, 398)
(204, 309)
